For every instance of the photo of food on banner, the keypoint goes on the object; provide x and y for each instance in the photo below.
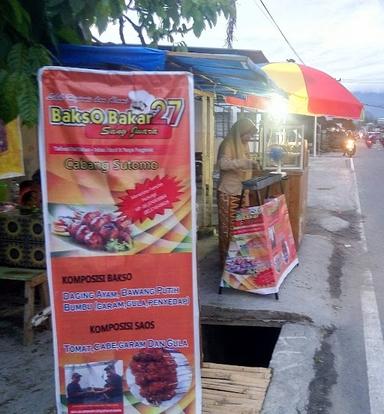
(93, 228)
(158, 377)
(123, 228)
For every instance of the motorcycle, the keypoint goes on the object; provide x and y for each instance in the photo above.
(350, 148)
(369, 142)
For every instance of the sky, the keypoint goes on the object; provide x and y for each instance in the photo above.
(344, 38)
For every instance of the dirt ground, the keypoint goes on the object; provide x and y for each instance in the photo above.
(27, 374)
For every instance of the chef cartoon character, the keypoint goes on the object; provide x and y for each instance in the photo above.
(141, 102)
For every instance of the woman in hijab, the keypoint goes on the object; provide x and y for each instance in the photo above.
(235, 166)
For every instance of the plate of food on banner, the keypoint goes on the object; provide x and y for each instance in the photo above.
(159, 377)
(96, 230)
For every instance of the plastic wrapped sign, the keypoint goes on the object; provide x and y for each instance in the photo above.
(262, 249)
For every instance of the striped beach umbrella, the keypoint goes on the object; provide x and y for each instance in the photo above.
(313, 92)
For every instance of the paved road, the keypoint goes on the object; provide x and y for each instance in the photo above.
(369, 168)
(343, 249)
(349, 365)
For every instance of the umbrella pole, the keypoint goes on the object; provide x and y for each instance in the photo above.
(315, 137)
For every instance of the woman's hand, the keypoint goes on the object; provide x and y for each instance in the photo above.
(250, 164)
(236, 164)
(256, 165)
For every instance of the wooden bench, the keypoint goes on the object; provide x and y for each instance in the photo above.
(32, 278)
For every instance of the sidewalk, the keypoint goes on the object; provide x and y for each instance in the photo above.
(305, 309)
(303, 358)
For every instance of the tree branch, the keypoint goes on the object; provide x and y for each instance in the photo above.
(96, 40)
(121, 29)
(138, 29)
(231, 24)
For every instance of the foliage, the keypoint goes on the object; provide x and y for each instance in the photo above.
(158, 20)
(18, 88)
(31, 30)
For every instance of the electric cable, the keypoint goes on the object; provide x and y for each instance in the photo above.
(262, 11)
(373, 106)
(281, 32)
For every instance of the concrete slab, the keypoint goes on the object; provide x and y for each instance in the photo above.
(292, 367)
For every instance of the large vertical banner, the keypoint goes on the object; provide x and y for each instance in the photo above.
(116, 153)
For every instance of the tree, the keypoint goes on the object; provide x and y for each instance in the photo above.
(31, 30)
(154, 20)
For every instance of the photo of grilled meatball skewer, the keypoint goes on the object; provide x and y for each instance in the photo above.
(96, 230)
(159, 376)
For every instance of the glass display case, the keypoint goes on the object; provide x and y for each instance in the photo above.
(283, 147)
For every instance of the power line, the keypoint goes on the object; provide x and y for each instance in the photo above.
(281, 32)
(373, 106)
(262, 11)
(373, 81)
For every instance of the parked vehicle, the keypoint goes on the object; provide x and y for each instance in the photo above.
(374, 136)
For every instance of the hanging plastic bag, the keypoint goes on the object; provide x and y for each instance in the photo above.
(11, 150)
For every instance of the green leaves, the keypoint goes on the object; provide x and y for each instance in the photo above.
(16, 17)
(161, 20)
(29, 27)
(17, 58)
(18, 92)
(76, 6)
(164, 19)
(38, 56)
(27, 100)
(18, 84)
(8, 97)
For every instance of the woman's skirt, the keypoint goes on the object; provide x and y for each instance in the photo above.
(227, 205)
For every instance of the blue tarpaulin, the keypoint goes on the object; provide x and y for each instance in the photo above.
(221, 74)
(111, 57)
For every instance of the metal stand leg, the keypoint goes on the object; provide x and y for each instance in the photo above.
(241, 198)
(258, 198)
(276, 296)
